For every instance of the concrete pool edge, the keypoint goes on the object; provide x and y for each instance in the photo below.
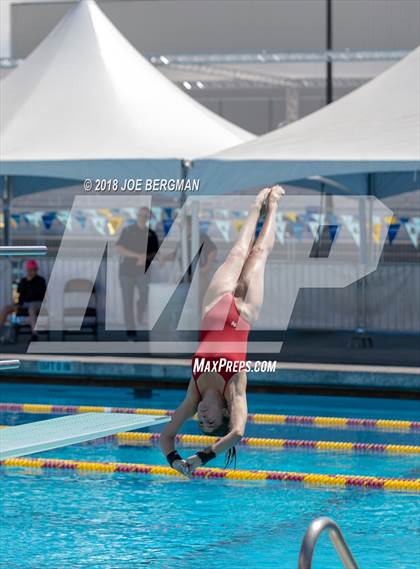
(164, 372)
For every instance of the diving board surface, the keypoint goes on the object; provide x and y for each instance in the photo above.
(69, 430)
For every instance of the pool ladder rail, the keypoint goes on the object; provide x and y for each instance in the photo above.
(310, 540)
(21, 251)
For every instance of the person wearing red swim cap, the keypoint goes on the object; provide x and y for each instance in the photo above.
(31, 291)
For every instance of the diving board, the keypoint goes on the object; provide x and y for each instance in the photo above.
(69, 430)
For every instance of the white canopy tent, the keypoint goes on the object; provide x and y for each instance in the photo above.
(86, 104)
(374, 129)
(367, 142)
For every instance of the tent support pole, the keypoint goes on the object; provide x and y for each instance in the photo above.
(7, 191)
(321, 212)
(368, 248)
(329, 46)
(185, 261)
(7, 238)
(195, 244)
(292, 103)
(186, 250)
(361, 338)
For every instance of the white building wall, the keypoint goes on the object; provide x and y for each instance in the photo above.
(190, 26)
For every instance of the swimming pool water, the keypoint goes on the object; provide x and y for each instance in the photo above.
(55, 519)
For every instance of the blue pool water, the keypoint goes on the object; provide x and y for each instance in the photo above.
(58, 519)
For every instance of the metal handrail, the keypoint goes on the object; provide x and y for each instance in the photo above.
(310, 540)
(9, 364)
(23, 250)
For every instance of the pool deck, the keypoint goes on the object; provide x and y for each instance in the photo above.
(174, 372)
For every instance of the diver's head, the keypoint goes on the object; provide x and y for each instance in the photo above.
(214, 419)
(213, 414)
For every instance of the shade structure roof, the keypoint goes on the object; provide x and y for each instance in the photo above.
(375, 128)
(86, 103)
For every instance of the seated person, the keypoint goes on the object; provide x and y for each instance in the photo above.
(31, 291)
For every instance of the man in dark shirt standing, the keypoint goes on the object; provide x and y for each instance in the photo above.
(131, 246)
(31, 291)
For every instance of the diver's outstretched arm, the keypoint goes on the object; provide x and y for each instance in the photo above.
(238, 416)
(185, 411)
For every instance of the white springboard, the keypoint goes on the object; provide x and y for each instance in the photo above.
(49, 434)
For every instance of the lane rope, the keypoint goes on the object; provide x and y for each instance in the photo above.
(257, 418)
(141, 439)
(151, 439)
(368, 482)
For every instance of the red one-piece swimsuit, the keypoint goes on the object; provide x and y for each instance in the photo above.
(224, 334)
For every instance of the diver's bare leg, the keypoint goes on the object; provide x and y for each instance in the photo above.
(250, 290)
(226, 277)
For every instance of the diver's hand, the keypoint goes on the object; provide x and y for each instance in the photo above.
(194, 462)
(182, 467)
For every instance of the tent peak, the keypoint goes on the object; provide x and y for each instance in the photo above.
(86, 94)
